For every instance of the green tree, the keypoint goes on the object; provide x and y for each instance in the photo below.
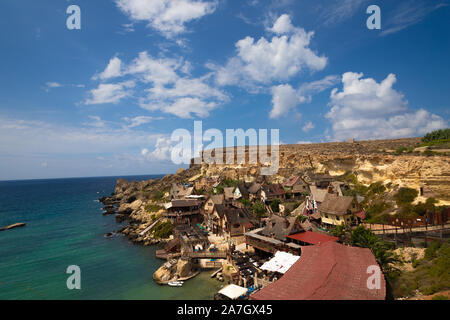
(275, 205)
(441, 134)
(405, 196)
(259, 209)
(382, 250)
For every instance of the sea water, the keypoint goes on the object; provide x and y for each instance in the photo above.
(65, 226)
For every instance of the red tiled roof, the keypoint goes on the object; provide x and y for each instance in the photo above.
(329, 271)
(290, 182)
(361, 214)
(312, 237)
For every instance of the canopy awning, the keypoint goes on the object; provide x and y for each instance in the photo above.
(233, 291)
(281, 262)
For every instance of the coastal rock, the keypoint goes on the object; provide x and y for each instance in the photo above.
(125, 211)
(121, 217)
(184, 268)
(109, 209)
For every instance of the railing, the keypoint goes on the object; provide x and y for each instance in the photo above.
(389, 229)
(208, 255)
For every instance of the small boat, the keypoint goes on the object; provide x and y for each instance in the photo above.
(175, 283)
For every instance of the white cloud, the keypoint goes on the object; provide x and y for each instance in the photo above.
(308, 126)
(157, 71)
(283, 25)
(162, 151)
(110, 93)
(114, 69)
(167, 16)
(28, 138)
(409, 13)
(53, 85)
(340, 10)
(264, 61)
(168, 87)
(286, 99)
(365, 109)
(140, 120)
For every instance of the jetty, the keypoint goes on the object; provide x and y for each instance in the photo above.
(12, 226)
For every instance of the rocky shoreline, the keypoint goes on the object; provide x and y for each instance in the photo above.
(128, 200)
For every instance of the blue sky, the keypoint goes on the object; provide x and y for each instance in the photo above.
(105, 99)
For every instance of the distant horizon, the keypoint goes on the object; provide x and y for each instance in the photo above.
(87, 177)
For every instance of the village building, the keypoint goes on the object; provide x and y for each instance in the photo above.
(254, 191)
(231, 222)
(271, 192)
(320, 180)
(212, 200)
(207, 183)
(329, 271)
(307, 238)
(295, 187)
(183, 211)
(240, 192)
(337, 210)
(272, 237)
(208, 209)
(228, 193)
(180, 191)
(317, 196)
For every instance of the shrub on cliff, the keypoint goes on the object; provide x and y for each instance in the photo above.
(430, 275)
(405, 196)
(162, 230)
(152, 208)
(375, 210)
(376, 188)
(157, 196)
(442, 134)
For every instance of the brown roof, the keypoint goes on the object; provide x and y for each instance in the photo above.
(336, 205)
(234, 215)
(254, 188)
(281, 227)
(228, 192)
(291, 181)
(273, 189)
(243, 189)
(318, 194)
(217, 199)
(329, 271)
(184, 203)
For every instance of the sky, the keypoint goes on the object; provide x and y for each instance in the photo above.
(104, 99)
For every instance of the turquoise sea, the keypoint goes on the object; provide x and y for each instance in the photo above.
(65, 227)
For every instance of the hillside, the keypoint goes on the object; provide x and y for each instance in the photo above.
(370, 161)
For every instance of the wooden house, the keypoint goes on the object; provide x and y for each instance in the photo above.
(339, 210)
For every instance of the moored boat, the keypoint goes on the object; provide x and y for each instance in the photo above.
(175, 283)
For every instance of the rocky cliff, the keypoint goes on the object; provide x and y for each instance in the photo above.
(370, 161)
